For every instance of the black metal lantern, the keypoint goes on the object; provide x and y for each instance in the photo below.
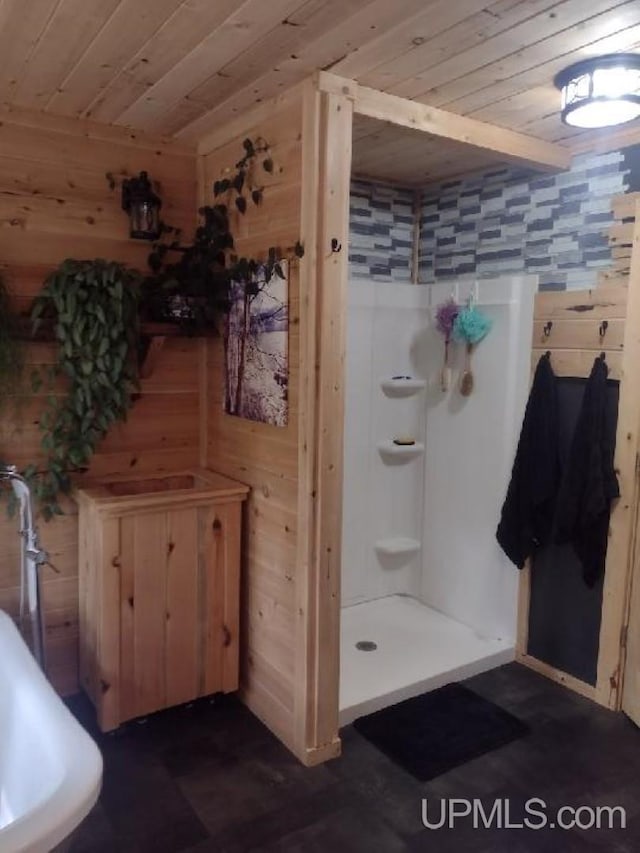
(601, 91)
(143, 207)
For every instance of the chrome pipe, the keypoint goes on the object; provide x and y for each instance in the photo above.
(32, 557)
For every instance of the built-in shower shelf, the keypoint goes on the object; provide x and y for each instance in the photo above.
(399, 452)
(402, 387)
(397, 546)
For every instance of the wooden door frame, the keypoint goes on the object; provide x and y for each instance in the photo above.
(329, 104)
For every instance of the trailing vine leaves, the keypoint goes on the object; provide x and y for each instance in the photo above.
(201, 273)
(245, 179)
(93, 306)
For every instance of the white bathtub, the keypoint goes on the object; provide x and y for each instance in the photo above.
(50, 769)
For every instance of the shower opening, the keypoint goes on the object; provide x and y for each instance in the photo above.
(425, 474)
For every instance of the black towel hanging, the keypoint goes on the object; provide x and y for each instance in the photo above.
(589, 481)
(526, 520)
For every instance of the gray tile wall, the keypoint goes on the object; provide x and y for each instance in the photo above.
(508, 220)
(381, 232)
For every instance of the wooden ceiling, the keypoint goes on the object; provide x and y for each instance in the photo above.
(181, 67)
(409, 158)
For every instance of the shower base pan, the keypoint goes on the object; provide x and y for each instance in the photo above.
(416, 649)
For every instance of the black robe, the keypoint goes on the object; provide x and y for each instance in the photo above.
(589, 481)
(527, 516)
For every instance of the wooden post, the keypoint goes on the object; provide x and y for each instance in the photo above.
(307, 472)
(630, 658)
(417, 221)
(524, 602)
(203, 343)
(329, 118)
(615, 596)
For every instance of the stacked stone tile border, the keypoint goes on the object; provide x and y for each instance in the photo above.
(381, 232)
(506, 220)
(509, 220)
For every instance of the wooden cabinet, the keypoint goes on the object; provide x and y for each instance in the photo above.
(159, 561)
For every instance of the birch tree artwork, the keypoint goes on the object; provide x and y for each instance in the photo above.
(256, 342)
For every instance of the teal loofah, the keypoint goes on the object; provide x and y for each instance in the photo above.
(471, 326)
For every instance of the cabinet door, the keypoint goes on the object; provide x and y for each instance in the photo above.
(182, 631)
(220, 560)
(159, 606)
(179, 606)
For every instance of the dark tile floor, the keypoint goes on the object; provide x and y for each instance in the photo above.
(209, 777)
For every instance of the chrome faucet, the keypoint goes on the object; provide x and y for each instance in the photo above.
(32, 558)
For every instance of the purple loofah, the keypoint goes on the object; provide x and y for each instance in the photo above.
(446, 314)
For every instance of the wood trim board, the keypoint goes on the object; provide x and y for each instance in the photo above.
(508, 144)
(620, 551)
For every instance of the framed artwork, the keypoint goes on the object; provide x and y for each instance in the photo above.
(256, 349)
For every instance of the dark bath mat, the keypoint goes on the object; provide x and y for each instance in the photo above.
(437, 731)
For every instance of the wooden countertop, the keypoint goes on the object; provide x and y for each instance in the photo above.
(125, 493)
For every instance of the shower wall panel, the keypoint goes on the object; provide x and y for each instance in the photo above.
(470, 446)
(383, 493)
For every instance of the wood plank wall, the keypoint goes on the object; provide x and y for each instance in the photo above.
(55, 202)
(265, 457)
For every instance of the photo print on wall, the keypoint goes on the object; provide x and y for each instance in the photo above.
(256, 349)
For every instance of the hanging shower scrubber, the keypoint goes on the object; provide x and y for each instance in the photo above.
(470, 326)
(446, 314)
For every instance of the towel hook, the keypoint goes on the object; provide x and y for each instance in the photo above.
(546, 330)
(603, 328)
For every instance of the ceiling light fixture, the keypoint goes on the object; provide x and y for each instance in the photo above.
(602, 91)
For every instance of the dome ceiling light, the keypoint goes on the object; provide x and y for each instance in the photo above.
(601, 92)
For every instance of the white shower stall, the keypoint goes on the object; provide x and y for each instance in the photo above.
(427, 595)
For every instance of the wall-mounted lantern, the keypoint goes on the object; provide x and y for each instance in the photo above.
(143, 207)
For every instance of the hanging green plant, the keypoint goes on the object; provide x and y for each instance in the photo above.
(190, 284)
(11, 352)
(93, 306)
